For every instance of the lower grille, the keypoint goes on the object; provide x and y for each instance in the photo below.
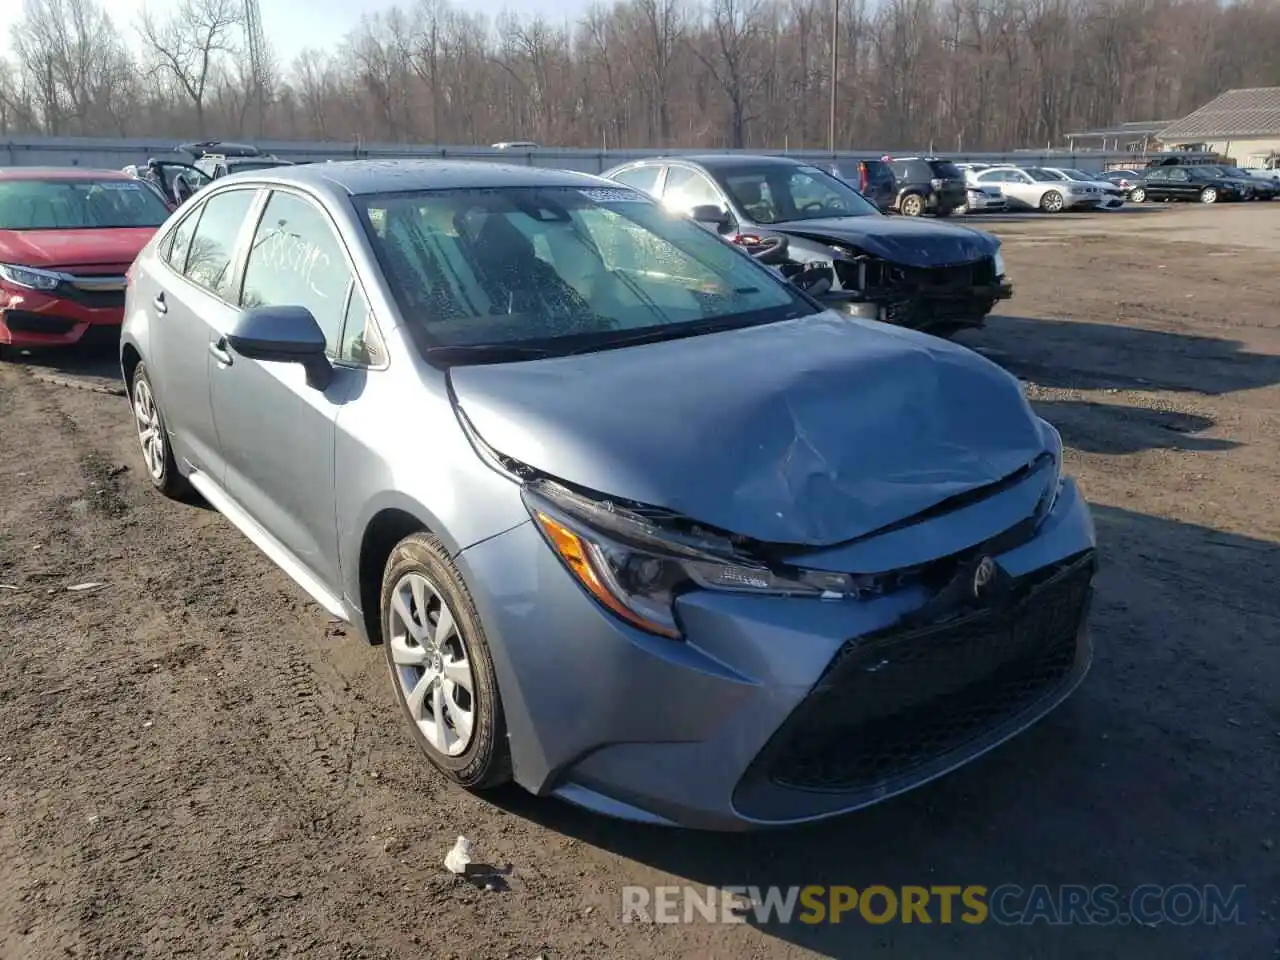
(25, 321)
(891, 704)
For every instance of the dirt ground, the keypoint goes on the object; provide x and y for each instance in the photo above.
(194, 761)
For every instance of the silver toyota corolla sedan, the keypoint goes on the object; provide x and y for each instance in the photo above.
(636, 523)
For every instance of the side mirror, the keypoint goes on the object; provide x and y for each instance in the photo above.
(283, 335)
(711, 215)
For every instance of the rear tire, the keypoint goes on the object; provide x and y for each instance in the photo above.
(464, 736)
(1137, 195)
(153, 438)
(912, 205)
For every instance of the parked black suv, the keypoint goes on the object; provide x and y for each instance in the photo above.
(1188, 182)
(871, 178)
(927, 185)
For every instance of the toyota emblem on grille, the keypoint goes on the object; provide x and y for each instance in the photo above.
(983, 574)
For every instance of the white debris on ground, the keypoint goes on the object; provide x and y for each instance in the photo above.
(459, 858)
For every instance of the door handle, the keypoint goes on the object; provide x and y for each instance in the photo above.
(159, 304)
(220, 352)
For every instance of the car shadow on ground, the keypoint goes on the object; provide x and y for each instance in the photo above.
(1016, 216)
(94, 366)
(1151, 773)
(1079, 355)
(1118, 429)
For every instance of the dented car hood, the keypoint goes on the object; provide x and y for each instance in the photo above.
(813, 431)
(908, 241)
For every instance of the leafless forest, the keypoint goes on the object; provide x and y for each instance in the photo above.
(951, 74)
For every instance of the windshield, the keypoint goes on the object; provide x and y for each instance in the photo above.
(1043, 176)
(1077, 175)
(781, 193)
(58, 204)
(562, 269)
(1234, 172)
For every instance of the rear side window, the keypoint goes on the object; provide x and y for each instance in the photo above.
(296, 260)
(178, 245)
(213, 246)
(642, 178)
(908, 170)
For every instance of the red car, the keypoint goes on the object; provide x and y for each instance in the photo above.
(67, 236)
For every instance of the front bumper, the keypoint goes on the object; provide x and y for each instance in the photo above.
(33, 318)
(773, 712)
(1081, 201)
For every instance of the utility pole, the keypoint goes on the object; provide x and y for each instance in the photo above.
(835, 72)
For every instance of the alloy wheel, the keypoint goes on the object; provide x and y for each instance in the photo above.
(431, 664)
(150, 429)
(1208, 195)
(1052, 201)
(1137, 195)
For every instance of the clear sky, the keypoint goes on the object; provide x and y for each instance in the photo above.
(291, 25)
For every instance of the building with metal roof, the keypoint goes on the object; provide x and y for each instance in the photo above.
(1242, 124)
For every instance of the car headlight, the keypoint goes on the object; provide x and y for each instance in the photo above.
(29, 277)
(998, 260)
(1053, 447)
(637, 569)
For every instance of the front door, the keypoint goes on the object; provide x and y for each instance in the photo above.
(1181, 186)
(275, 432)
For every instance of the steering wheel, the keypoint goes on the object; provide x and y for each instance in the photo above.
(815, 206)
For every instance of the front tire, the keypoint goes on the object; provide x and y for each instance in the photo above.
(440, 666)
(153, 438)
(1052, 202)
(1209, 195)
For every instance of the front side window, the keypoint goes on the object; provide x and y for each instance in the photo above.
(780, 193)
(1041, 176)
(213, 245)
(559, 269)
(686, 189)
(296, 260)
(73, 204)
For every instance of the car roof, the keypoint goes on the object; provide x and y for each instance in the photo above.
(357, 177)
(61, 173)
(725, 161)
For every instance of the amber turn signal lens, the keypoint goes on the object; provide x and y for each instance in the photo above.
(575, 554)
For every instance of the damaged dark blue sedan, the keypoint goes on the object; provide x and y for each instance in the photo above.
(938, 277)
(637, 523)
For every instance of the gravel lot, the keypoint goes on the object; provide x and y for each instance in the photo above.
(195, 761)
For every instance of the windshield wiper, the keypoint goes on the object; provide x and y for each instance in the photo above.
(669, 332)
(487, 353)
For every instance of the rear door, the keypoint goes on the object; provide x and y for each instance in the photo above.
(276, 432)
(194, 300)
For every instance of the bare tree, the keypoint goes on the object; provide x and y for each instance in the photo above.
(188, 46)
(958, 74)
(731, 55)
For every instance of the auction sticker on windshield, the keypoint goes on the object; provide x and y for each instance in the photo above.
(609, 195)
